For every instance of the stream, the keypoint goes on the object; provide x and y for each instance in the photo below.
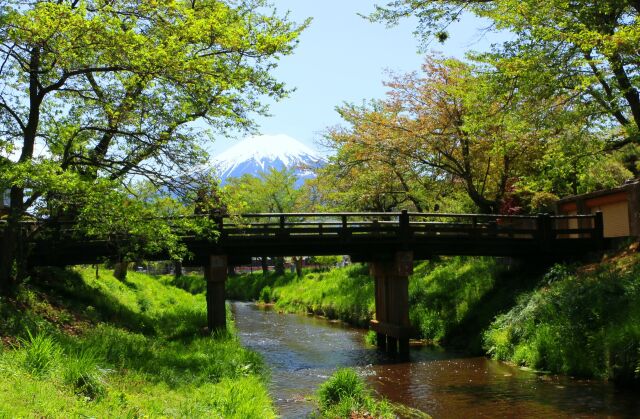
(303, 351)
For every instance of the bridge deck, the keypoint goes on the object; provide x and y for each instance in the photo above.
(365, 236)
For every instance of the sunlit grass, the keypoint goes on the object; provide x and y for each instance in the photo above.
(346, 294)
(345, 395)
(105, 348)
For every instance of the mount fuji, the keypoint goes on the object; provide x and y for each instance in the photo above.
(263, 152)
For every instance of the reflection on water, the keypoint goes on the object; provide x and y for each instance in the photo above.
(303, 351)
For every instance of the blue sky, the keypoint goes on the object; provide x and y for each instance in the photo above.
(343, 58)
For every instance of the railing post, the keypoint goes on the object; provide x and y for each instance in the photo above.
(544, 231)
(403, 221)
(474, 226)
(345, 230)
(598, 226)
(282, 231)
(219, 220)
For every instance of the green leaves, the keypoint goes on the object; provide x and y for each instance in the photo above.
(272, 191)
(112, 89)
(139, 224)
(584, 50)
(95, 94)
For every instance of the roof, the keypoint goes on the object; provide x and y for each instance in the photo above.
(603, 192)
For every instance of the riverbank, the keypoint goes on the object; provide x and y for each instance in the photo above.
(582, 321)
(76, 345)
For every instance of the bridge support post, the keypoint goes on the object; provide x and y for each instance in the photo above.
(216, 276)
(392, 324)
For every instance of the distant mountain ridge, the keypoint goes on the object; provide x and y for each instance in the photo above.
(261, 153)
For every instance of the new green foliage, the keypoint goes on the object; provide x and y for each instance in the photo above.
(265, 294)
(83, 372)
(443, 294)
(249, 287)
(344, 383)
(111, 91)
(584, 49)
(40, 354)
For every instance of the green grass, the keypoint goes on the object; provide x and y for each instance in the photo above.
(194, 284)
(249, 287)
(345, 395)
(345, 294)
(105, 348)
(583, 322)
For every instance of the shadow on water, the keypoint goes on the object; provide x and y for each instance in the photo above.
(303, 351)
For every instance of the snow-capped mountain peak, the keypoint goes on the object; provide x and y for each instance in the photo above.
(259, 153)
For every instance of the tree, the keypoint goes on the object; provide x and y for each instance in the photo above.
(110, 90)
(586, 51)
(273, 190)
(141, 222)
(366, 175)
(451, 126)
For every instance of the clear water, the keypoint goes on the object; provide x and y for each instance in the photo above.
(303, 351)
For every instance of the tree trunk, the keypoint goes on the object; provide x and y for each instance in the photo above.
(298, 263)
(265, 267)
(13, 256)
(120, 270)
(7, 260)
(279, 266)
(177, 269)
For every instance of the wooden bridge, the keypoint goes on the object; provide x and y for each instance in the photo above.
(390, 242)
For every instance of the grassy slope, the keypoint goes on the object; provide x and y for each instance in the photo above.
(345, 294)
(583, 321)
(106, 348)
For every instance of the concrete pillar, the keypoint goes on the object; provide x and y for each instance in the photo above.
(392, 302)
(216, 276)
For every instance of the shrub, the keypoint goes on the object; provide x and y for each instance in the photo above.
(345, 395)
(40, 353)
(265, 294)
(344, 383)
(371, 338)
(584, 323)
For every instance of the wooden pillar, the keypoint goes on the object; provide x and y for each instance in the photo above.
(545, 231)
(392, 302)
(216, 276)
(380, 282)
(598, 225)
(633, 199)
(177, 268)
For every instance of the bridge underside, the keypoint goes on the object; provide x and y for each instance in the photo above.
(241, 251)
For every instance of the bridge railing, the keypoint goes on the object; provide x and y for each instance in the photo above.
(393, 225)
(407, 225)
